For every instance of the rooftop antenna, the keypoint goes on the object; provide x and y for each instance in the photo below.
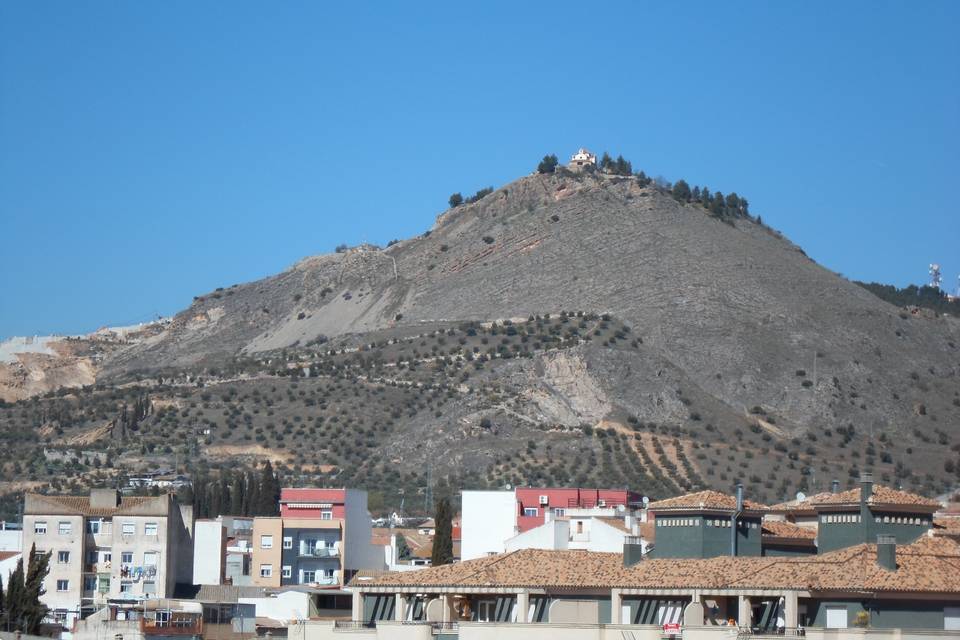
(935, 277)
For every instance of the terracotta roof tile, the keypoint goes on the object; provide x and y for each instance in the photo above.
(928, 565)
(880, 495)
(807, 504)
(778, 529)
(708, 499)
(37, 504)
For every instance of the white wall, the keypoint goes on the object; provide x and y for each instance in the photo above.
(359, 552)
(285, 606)
(489, 520)
(604, 537)
(550, 535)
(208, 552)
(8, 566)
(11, 540)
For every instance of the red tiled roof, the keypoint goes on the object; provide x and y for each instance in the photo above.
(925, 566)
(880, 495)
(709, 499)
(778, 529)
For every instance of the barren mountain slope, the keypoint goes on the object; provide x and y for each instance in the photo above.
(742, 314)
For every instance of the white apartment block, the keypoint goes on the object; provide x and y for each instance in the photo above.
(107, 546)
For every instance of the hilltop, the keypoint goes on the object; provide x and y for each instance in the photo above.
(563, 328)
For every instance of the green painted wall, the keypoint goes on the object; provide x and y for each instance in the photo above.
(704, 540)
(887, 614)
(838, 535)
(788, 551)
(378, 607)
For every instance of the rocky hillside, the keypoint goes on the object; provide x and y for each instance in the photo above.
(724, 353)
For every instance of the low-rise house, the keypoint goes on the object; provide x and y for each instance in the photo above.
(151, 619)
(490, 518)
(593, 529)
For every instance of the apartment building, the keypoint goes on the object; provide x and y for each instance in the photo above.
(490, 518)
(108, 546)
(321, 538)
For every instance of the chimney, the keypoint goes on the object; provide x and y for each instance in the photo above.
(632, 550)
(733, 520)
(835, 486)
(887, 551)
(104, 498)
(866, 487)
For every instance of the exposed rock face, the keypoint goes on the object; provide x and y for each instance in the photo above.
(731, 312)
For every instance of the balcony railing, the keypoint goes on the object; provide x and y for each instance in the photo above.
(354, 624)
(445, 627)
(319, 552)
(174, 627)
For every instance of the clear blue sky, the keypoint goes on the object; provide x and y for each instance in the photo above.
(152, 151)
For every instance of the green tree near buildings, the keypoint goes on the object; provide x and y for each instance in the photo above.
(443, 534)
(21, 608)
(269, 497)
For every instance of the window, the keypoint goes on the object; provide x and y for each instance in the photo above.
(266, 570)
(92, 556)
(558, 512)
(126, 557)
(60, 616)
(836, 617)
(63, 557)
(126, 586)
(266, 542)
(150, 558)
(287, 571)
(89, 583)
(107, 556)
(128, 529)
(326, 515)
(65, 528)
(63, 585)
(287, 542)
(149, 587)
(40, 527)
(150, 529)
(309, 577)
(486, 610)
(531, 511)
(93, 526)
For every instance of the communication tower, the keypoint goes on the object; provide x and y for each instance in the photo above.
(935, 277)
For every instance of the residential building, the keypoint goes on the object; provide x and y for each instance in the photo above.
(592, 529)
(578, 594)
(706, 524)
(322, 537)
(106, 546)
(490, 518)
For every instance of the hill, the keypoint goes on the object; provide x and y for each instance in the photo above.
(565, 328)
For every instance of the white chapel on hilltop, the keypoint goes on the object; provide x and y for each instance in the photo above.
(582, 159)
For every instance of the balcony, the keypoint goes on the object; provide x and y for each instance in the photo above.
(318, 552)
(176, 626)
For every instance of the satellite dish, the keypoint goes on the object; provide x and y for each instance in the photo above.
(507, 486)
(646, 500)
(801, 496)
(621, 508)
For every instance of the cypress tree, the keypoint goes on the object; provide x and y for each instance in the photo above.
(252, 496)
(236, 495)
(34, 611)
(269, 492)
(443, 538)
(14, 611)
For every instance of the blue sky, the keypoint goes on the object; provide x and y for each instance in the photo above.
(150, 152)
